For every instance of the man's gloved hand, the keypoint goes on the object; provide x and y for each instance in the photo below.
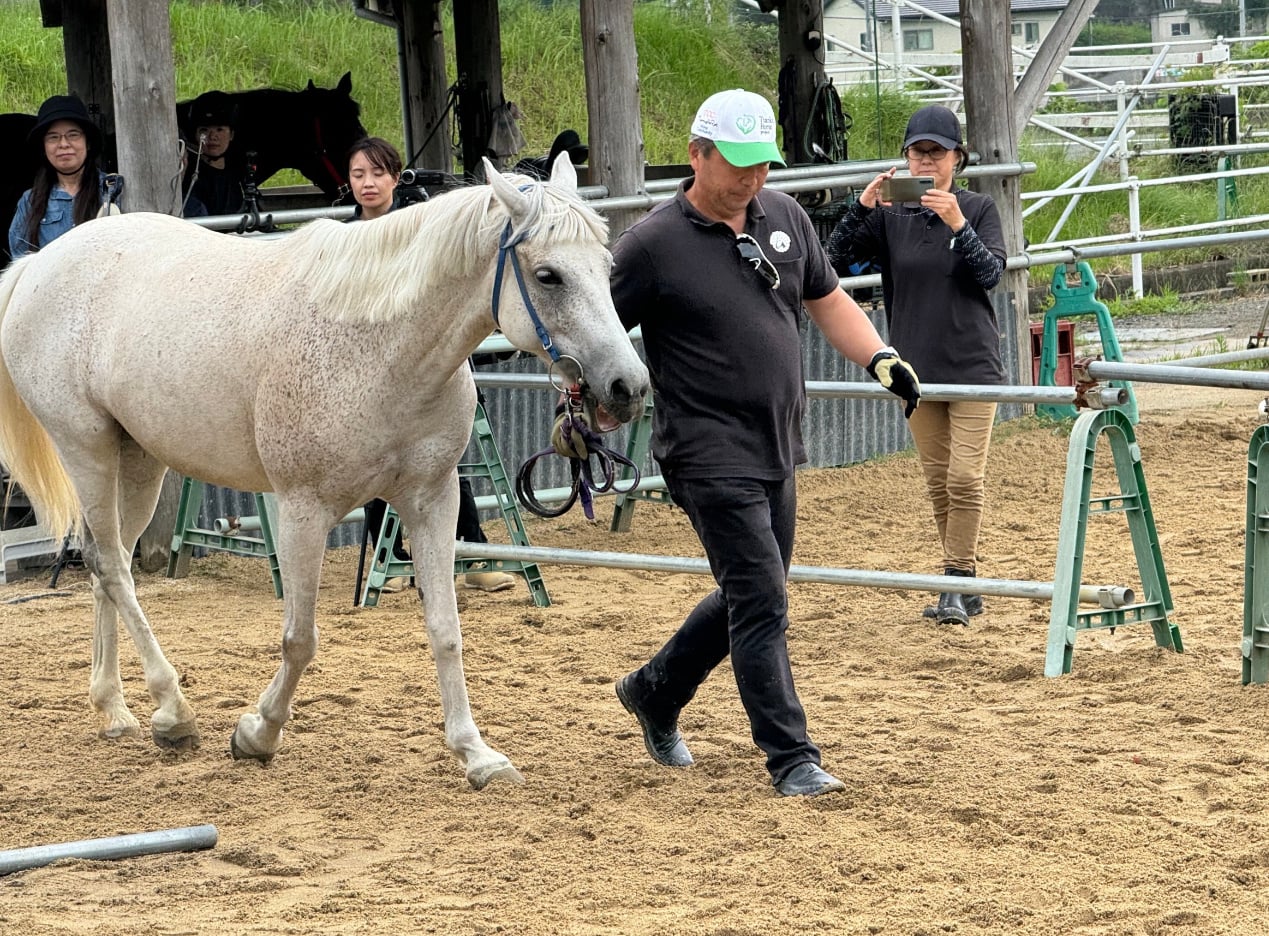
(897, 376)
(574, 444)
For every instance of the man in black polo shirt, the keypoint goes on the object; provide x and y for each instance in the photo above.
(717, 279)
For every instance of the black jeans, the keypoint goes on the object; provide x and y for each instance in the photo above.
(468, 520)
(746, 526)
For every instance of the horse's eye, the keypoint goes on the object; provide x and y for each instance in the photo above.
(548, 277)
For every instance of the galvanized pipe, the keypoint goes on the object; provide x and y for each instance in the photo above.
(236, 526)
(831, 389)
(190, 838)
(1225, 357)
(1106, 596)
(1172, 374)
(820, 389)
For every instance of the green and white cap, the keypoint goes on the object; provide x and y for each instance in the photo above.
(741, 125)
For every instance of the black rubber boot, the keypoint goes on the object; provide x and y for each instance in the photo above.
(951, 608)
(973, 607)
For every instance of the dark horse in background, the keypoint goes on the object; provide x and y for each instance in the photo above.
(18, 163)
(309, 131)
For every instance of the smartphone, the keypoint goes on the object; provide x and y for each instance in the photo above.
(905, 188)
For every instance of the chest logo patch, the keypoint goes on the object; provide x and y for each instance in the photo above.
(779, 241)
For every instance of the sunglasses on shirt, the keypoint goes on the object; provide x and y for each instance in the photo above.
(750, 251)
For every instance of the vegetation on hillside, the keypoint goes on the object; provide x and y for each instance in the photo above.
(685, 50)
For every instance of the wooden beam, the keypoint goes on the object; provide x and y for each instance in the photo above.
(1052, 52)
(51, 13)
(86, 43)
(423, 48)
(990, 131)
(478, 51)
(145, 115)
(612, 103)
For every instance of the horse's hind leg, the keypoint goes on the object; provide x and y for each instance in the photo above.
(114, 523)
(299, 535)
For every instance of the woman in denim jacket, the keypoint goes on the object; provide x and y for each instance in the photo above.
(59, 199)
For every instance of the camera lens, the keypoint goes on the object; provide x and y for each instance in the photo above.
(408, 177)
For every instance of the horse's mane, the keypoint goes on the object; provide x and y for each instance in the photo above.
(374, 271)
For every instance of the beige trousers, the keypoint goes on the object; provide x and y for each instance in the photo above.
(952, 440)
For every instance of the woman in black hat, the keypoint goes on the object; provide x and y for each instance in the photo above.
(215, 178)
(939, 258)
(69, 187)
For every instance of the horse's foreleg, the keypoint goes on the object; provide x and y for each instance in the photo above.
(300, 539)
(432, 549)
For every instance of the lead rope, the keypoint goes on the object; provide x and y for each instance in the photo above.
(584, 485)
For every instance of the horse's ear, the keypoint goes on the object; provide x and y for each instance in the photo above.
(562, 172)
(345, 83)
(311, 86)
(514, 200)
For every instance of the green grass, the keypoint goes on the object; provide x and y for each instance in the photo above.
(683, 56)
(1165, 303)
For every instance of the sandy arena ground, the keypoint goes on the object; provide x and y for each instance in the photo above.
(1130, 797)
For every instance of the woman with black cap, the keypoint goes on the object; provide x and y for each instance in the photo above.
(939, 258)
(69, 187)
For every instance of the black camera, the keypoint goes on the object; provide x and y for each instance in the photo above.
(409, 190)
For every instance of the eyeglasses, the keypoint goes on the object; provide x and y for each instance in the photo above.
(933, 153)
(70, 136)
(749, 250)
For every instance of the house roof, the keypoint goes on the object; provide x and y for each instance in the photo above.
(881, 8)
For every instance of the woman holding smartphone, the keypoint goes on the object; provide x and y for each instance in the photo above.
(939, 257)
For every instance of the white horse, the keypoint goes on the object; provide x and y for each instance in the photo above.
(326, 366)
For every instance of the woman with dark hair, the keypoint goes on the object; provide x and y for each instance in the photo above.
(374, 167)
(940, 257)
(69, 187)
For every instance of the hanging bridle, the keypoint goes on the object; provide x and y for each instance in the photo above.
(342, 187)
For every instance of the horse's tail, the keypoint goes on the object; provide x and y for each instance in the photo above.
(25, 447)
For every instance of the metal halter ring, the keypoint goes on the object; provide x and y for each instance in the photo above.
(563, 387)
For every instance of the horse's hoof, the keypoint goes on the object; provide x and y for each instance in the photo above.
(241, 753)
(480, 778)
(115, 732)
(179, 738)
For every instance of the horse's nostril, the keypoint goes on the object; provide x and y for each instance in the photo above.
(620, 392)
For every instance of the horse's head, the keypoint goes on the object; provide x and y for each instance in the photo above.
(554, 299)
(334, 125)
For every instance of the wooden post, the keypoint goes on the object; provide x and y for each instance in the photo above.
(612, 102)
(428, 143)
(145, 105)
(86, 44)
(801, 26)
(478, 51)
(989, 116)
(145, 118)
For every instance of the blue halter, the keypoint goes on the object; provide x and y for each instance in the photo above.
(507, 247)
